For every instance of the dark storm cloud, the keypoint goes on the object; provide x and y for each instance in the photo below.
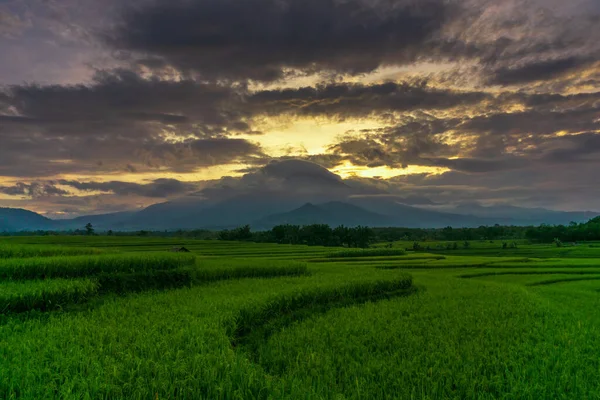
(259, 39)
(538, 71)
(565, 129)
(503, 155)
(358, 100)
(160, 188)
(119, 122)
(192, 154)
(523, 43)
(122, 97)
(579, 148)
(534, 122)
(34, 190)
(512, 42)
(534, 185)
(183, 93)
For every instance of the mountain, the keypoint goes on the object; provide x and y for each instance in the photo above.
(523, 216)
(332, 213)
(296, 192)
(100, 221)
(276, 188)
(414, 217)
(17, 219)
(267, 209)
(197, 213)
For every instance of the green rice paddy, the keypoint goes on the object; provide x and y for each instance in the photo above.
(121, 318)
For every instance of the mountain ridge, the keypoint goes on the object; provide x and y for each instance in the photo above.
(268, 211)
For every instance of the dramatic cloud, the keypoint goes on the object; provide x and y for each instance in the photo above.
(161, 188)
(539, 71)
(120, 121)
(261, 39)
(34, 190)
(359, 100)
(119, 104)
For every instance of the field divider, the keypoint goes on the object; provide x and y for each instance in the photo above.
(48, 295)
(85, 266)
(503, 273)
(563, 280)
(191, 276)
(254, 325)
(375, 258)
(18, 296)
(353, 253)
(9, 251)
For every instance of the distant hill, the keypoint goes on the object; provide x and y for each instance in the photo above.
(414, 217)
(265, 210)
(100, 221)
(332, 213)
(191, 213)
(16, 219)
(524, 216)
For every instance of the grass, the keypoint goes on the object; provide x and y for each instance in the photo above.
(204, 272)
(540, 271)
(248, 321)
(438, 344)
(255, 323)
(45, 295)
(80, 266)
(25, 251)
(565, 280)
(366, 253)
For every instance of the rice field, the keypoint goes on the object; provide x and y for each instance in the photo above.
(121, 318)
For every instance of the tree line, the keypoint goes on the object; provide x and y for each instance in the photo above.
(573, 232)
(311, 235)
(324, 235)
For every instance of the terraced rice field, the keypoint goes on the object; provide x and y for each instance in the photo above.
(120, 318)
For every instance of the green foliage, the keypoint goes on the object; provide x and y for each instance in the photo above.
(571, 233)
(204, 272)
(254, 324)
(238, 234)
(367, 253)
(324, 325)
(79, 266)
(24, 251)
(44, 295)
(319, 235)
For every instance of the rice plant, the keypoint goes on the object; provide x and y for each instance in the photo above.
(25, 251)
(80, 266)
(299, 328)
(366, 253)
(44, 295)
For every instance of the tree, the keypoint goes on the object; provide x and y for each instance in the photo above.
(238, 234)
(89, 229)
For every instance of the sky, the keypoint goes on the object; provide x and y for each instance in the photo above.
(115, 105)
